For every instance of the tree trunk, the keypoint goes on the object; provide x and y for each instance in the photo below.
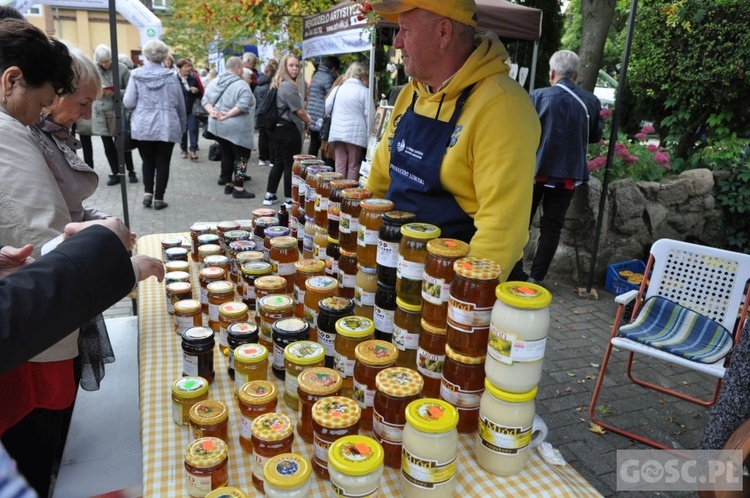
(597, 17)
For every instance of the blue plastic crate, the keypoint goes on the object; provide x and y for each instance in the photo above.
(618, 285)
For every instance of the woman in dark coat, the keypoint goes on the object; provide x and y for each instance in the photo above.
(193, 92)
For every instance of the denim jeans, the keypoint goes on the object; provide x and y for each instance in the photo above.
(192, 131)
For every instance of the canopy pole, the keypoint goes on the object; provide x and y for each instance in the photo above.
(533, 66)
(372, 89)
(120, 137)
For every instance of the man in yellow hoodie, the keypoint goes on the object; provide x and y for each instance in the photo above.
(460, 148)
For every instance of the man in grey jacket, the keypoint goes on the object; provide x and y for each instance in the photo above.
(320, 85)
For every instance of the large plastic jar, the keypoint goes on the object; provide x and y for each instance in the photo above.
(333, 418)
(349, 218)
(272, 434)
(412, 253)
(304, 269)
(206, 466)
(370, 219)
(334, 204)
(330, 310)
(298, 357)
(355, 464)
(462, 386)
(518, 336)
(505, 428)
(396, 388)
(255, 398)
(389, 237)
(407, 328)
(350, 331)
(312, 386)
(429, 457)
(287, 476)
(187, 391)
(472, 297)
(365, 288)
(438, 275)
(372, 357)
(431, 358)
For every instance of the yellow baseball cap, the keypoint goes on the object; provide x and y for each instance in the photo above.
(463, 11)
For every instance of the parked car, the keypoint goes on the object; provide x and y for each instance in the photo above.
(605, 90)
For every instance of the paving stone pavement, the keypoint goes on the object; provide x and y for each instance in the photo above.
(575, 347)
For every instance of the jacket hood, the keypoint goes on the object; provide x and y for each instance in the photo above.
(477, 67)
(154, 77)
(226, 79)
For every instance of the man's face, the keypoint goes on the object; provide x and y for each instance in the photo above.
(418, 41)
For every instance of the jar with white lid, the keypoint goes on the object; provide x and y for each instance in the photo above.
(355, 464)
(429, 455)
(505, 428)
(287, 476)
(518, 336)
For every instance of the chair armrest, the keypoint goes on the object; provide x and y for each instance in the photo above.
(626, 298)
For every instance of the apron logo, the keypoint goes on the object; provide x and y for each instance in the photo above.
(455, 136)
(401, 146)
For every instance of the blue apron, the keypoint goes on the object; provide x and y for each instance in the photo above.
(417, 153)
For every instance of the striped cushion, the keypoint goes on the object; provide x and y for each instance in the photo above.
(666, 325)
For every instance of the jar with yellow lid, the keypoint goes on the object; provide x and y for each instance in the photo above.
(187, 313)
(313, 385)
(229, 313)
(412, 253)
(236, 248)
(287, 476)
(350, 331)
(196, 230)
(431, 358)
(370, 219)
(227, 492)
(320, 243)
(283, 258)
(272, 308)
(298, 357)
(330, 310)
(351, 199)
(429, 456)
(177, 266)
(372, 357)
(250, 363)
(365, 288)
(472, 297)
(239, 334)
(198, 352)
(334, 204)
(177, 291)
(209, 418)
(206, 250)
(273, 434)
(333, 418)
(396, 388)
(206, 466)
(219, 261)
(218, 293)
(347, 276)
(518, 336)
(355, 464)
(438, 276)
(206, 276)
(317, 288)
(407, 328)
(304, 269)
(187, 391)
(462, 386)
(255, 398)
(251, 271)
(285, 332)
(505, 428)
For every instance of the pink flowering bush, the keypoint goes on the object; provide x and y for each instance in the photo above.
(635, 159)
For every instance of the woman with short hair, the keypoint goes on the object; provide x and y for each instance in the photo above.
(192, 90)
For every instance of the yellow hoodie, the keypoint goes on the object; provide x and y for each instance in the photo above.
(489, 166)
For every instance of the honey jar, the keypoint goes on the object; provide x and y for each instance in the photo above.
(222, 228)
(272, 308)
(347, 276)
(317, 288)
(312, 386)
(396, 388)
(187, 313)
(176, 254)
(407, 328)
(350, 331)
(272, 434)
(187, 391)
(389, 237)
(229, 313)
(198, 352)
(365, 288)
(304, 269)
(255, 398)
(219, 261)
(412, 253)
(286, 331)
(196, 230)
(349, 217)
(177, 291)
(322, 193)
(287, 476)
(372, 357)
(207, 275)
(431, 358)
(334, 204)
(283, 257)
(438, 276)
(218, 293)
(271, 233)
(177, 266)
(250, 363)
(206, 466)
(209, 418)
(238, 334)
(259, 232)
(236, 248)
(355, 464)
(168, 243)
(330, 310)
(370, 219)
(250, 271)
(298, 357)
(462, 386)
(206, 250)
(297, 170)
(333, 418)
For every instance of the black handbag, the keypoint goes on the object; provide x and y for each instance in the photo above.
(214, 152)
(325, 127)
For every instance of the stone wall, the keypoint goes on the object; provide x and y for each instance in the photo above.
(636, 214)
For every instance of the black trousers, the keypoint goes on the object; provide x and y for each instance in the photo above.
(314, 148)
(264, 145)
(156, 157)
(555, 203)
(231, 155)
(110, 150)
(287, 142)
(88, 150)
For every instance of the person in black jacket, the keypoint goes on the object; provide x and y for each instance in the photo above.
(192, 90)
(261, 89)
(320, 84)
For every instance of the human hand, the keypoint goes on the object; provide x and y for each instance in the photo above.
(12, 258)
(193, 89)
(148, 267)
(115, 224)
(108, 91)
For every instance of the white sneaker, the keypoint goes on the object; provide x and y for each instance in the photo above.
(263, 163)
(288, 204)
(270, 200)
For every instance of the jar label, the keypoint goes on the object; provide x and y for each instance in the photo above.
(364, 397)
(299, 295)
(197, 485)
(332, 268)
(249, 292)
(321, 203)
(334, 210)
(290, 384)
(348, 223)
(368, 237)
(213, 312)
(344, 365)
(383, 319)
(346, 280)
(311, 316)
(170, 305)
(259, 241)
(177, 413)
(278, 357)
(320, 448)
(240, 379)
(387, 254)
(462, 400)
(404, 340)
(283, 268)
(467, 317)
(430, 365)
(302, 188)
(409, 270)
(503, 439)
(327, 340)
(342, 493)
(307, 242)
(319, 252)
(296, 181)
(246, 425)
(183, 323)
(300, 230)
(258, 463)
(426, 474)
(435, 290)
(362, 297)
(507, 348)
(384, 431)
(309, 195)
(223, 336)
(189, 364)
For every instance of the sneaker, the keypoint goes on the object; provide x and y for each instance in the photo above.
(243, 194)
(288, 204)
(263, 163)
(221, 182)
(113, 180)
(147, 198)
(159, 204)
(270, 199)
(228, 189)
(133, 178)
(184, 154)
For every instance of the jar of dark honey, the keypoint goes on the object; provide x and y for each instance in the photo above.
(438, 276)
(198, 353)
(396, 388)
(372, 357)
(206, 466)
(330, 310)
(412, 253)
(407, 328)
(349, 217)
(347, 276)
(255, 398)
(334, 204)
(312, 386)
(333, 417)
(229, 313)
(389, 237)
(239, 334)
(462, 386)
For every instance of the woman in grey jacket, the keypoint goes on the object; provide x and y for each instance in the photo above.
(158, 119)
